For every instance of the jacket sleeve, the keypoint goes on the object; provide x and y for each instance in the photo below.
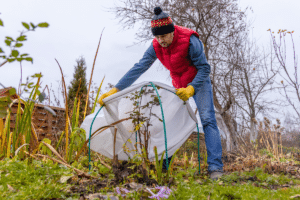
(197, 55)
(138, 69)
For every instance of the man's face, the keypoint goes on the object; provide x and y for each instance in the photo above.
(166, 39)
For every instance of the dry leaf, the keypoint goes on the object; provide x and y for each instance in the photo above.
(296, 196)
(10, 188)
(64, 179)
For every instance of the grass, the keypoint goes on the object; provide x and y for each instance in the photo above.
(33, 179)
(42, 179)
(236, 186)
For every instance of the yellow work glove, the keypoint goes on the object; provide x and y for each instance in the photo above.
(107, 94)
(185, 93)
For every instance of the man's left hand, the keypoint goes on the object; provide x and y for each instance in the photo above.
(185, 93)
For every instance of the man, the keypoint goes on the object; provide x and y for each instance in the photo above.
(180, 51)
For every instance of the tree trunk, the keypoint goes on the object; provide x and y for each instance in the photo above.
(223, 127)
(253, 131)
(226, 122)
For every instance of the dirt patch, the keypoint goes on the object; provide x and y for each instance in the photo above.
(87, 186)
(125, 170)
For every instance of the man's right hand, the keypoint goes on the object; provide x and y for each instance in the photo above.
(107, 94)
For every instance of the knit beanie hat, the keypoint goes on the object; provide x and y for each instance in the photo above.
(161, 23)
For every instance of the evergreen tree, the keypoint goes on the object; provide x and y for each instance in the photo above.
(79, 80)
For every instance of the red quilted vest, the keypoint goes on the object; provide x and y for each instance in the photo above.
(175, 57)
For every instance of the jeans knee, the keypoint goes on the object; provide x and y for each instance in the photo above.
(210, 120)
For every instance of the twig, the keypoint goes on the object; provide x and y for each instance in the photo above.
(3, 63)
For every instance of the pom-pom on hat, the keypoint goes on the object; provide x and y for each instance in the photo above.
(161, 23)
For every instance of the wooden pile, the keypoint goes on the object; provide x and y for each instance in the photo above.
(46, 125)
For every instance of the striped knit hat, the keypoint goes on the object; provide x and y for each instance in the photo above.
(161, 23)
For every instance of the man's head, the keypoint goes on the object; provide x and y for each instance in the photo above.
(166, 39)
(162, 27)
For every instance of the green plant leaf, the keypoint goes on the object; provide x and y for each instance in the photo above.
(43, 25)
(9, 38)
(37, 76)
(32, 25)
(1, 22)
(7, 42)
(29, 59)
(20, 59)
(38, 92)
(11, 59)
(12, 91)
(30, 85)
(26, 25)
(21, 38)
(18, 45)
(25, 54)
(1, 51)
(14, 53)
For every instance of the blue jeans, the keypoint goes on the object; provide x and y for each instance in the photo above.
(204, 101)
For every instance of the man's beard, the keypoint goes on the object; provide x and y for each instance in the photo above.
(164, 44)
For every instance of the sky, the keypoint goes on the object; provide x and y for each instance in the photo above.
(75, 28)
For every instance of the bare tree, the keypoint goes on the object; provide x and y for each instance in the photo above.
(215, 21)
(255, 83)
(288, 71)
(243, 76)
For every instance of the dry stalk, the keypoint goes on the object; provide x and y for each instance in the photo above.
(271, 137)
(265, 139)
(115, 158)
(88, 92)
(281, 146)
(17, 151)
(102, 162)
(54, 151)
(269, 134)
(35, 137)
(1, 127)
(276, 143)
(48, 93)
(115, 138)
(66, 111)
(79, 172)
